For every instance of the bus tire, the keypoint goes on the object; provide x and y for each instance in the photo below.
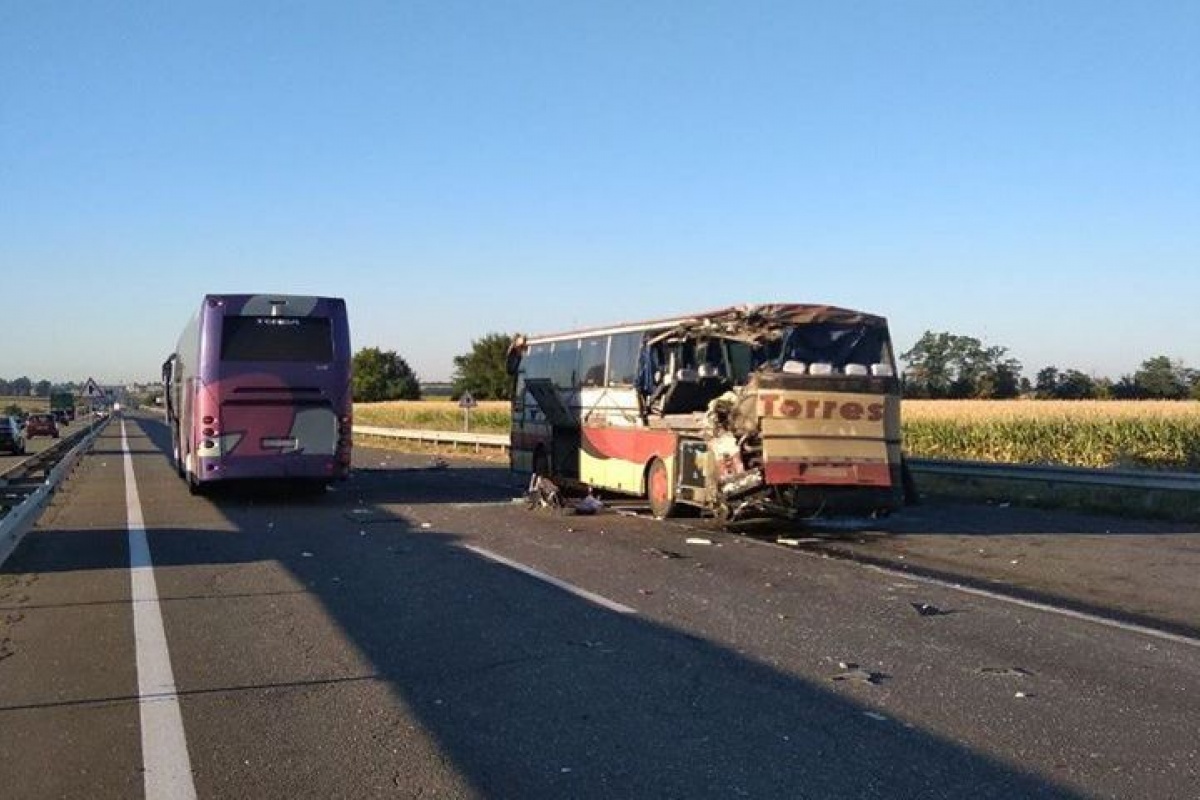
(659, 490)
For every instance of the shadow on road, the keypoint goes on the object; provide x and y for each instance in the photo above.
(531, 692)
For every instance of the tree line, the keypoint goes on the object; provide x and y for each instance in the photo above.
(939, 366)
(950, 366)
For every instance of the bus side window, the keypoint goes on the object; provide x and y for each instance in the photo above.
(591, 360)
(563, 364)
(623, 358)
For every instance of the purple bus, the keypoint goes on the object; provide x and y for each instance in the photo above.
(259, 387)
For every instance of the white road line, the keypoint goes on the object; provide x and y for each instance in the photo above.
(1000, 596)
(591, 597)
(1131, 627)
(167, 770)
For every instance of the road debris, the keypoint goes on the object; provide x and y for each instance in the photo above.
(855, 674)
(437, 462)
(543, 493)
(930, 610)
(698, 540)
(875, 715)
(589, 505)
(1005, 672)
(306, 554)
(663, 553)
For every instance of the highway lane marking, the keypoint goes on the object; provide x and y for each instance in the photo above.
(591, 597)
(167, 769)
(1097, 619)
(1131, 627)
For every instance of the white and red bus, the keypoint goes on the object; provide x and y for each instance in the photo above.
(781, 410)
(259, 387)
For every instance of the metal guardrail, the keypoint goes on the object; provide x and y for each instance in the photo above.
(1144, 480)
(438, 437)
(21, 516)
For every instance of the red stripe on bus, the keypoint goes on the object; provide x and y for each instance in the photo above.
(793, 472)
(632, 445)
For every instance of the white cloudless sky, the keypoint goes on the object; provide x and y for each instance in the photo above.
(1027, 173)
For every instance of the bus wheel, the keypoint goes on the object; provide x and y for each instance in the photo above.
(194, 485)
(658, 490)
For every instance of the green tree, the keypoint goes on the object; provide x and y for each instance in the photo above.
(948, 365)
(382, 375)
(1163, 379)
(481, 371)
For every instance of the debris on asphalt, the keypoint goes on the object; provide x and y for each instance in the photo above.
(589, 505)
(663, 553)
(543, 493)
(792, 542)
(697, 540)
(930, 610)
(1005, 672)
(856, 674)
(875, 715)
(1021, 695)
(437, 462)
(426, 525)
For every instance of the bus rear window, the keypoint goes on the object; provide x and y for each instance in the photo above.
(276, 339)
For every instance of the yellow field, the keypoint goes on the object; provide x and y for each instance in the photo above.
(1096, 433)
(490, 416)
(1099, 433)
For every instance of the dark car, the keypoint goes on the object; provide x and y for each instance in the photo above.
(41, 425)
(12, 438)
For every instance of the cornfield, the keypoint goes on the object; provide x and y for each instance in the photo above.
(1100, 433)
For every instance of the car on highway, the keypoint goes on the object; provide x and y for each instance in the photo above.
(41, 425)
(12, 437)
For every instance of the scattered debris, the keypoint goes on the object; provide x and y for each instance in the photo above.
(1005, 672)
(437, 462)
(698, 540)
(543, 493)
(663, 553)
(930, 610)
(857, 674)
(792, 542)
(426, 525)
(646, 591)
(589, 505)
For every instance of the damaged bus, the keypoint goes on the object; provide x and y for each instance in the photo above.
(781, 410)
(259, 387)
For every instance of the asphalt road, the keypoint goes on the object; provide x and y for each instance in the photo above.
(388, 639)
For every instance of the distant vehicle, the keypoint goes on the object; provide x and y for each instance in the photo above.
(41, 425)
(259, 387)
(12, 437)
(63, 402)
(781, 410)
(60, 416)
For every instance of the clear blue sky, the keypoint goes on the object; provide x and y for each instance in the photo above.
(1024, 172)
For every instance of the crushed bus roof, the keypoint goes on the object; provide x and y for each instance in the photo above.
(735, 321)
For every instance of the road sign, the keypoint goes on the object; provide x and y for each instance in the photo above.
(467, 401)
(91, 389)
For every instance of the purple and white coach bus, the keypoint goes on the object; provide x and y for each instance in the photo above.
(259, 387)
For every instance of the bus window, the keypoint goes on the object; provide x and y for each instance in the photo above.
(623, 358)
(536, 363)
(276, 339)
(563, 361)
(592, 352)
(741, 361)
